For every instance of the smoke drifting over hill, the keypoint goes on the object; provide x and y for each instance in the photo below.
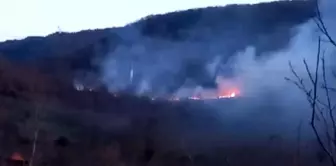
(163, 66)
(196, 53)
(163, 54)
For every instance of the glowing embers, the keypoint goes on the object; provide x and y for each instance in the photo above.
(230, 93)
(226, 88)
(210, 94)
(233, 94)
(220, 95)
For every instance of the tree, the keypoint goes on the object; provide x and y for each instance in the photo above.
(319, 93)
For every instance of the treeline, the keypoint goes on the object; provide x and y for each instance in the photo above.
(259, 18)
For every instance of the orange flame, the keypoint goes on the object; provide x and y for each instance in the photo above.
(227, 88)
(17, 157)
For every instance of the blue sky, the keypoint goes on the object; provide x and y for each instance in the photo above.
(21, 18)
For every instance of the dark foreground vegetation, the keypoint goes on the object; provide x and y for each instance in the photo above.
(98, 128)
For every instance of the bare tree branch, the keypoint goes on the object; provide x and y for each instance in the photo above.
(328, 88)
(315, 82)
(308, 72)
(330, 108)
(312, 97)
(319, 108)
(321, 25)
(313, 106)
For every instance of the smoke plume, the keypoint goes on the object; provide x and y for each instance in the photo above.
(269, 104)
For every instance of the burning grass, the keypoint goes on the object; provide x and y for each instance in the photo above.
(226, 88)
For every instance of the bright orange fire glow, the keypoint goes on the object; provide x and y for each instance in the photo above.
(17, 157)
(210, 94)
(229, 93)
(226, 89)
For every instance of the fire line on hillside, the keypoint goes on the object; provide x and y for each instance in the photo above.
(226, 88)
(210, 95)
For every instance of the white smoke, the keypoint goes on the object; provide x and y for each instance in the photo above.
(147, 62)
(262, 81)
(270, 74)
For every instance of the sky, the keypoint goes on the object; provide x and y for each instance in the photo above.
(22, 18)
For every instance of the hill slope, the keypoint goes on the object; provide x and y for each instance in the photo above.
(180, 44)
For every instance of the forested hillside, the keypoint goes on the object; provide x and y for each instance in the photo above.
(93, 126)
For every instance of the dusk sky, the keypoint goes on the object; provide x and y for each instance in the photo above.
(22, 18)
